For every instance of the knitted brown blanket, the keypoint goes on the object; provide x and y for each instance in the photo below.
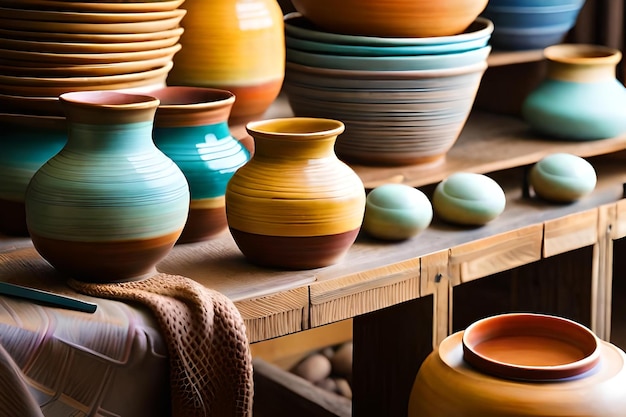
(209, 354)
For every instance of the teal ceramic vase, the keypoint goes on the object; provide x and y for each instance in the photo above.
(110, 205)
(580, 98)
(191, 127)
(26, 143)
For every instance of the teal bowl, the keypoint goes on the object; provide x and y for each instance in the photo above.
(385, 51)
(389, 63)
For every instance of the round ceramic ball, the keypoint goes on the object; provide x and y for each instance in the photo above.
(562, 177)
(396, 212)
(468, 199)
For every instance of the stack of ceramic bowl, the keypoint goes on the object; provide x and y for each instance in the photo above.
(48, 47)
(404, 100)
(531, 24)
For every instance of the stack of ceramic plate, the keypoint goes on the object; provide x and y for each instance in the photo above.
(403, 100)
(48, 47)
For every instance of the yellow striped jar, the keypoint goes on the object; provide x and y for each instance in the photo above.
(234, 45)
(295, 205)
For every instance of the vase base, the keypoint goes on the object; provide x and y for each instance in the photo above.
(203, 224)
(105, 262)
(390, 159)
(294, 252)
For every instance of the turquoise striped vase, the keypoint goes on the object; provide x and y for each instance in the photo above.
(26, 143)
(191, 127)
(110, 205)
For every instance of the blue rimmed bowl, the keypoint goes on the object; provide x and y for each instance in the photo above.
(531, 25)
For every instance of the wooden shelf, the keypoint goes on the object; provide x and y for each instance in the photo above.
(375, 275)
(488, 142)
(500, 58)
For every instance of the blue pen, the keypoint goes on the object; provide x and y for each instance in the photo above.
(47, 298)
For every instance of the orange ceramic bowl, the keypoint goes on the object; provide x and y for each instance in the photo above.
(395, 18)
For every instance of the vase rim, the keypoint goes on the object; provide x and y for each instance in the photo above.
(305, 127)
(582, 54)
(172, 97)
(539, 327)
(109, 99)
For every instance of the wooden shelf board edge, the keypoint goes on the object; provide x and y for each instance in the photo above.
(500, 57)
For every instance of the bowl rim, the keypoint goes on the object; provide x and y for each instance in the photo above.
(534, 324)
(413, 74)
(381, 63)
(104, 6)
(486, 27)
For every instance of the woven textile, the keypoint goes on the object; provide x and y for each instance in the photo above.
(210, 359)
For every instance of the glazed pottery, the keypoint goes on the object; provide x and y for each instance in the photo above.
(534, 24)
(468, 198)
(301, 30)
(396, 212)
(110, 205)
(295, 205)
(562, 177)
(191, 127)
(391, 117)
(389, 63)
(234, 45)
(580, 98)
(518, 365)
(26, 143)
(398, 18)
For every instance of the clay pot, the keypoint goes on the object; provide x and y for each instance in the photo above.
(398, 18)
(191, 127)
(521, 365)
(392, 117)
(580, 98)
(235, 46)
(295, 205)
(110, 205)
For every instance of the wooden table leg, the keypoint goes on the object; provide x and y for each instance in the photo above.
(389, 347)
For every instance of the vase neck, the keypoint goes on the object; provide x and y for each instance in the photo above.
(581, 63)
(125, 138)
(295, 138)
(581, 73)
(293, 147)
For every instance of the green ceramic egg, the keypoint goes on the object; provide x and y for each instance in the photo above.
(468, 199)
(562, 177)
(396, 212)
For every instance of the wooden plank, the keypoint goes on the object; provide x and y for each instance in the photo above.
(498, 253)
(619, 224)
(275, 315)
(570, 232)
(499, 58)
(218, 264)
(602, 273)
(437, 279)
(278, 393)
(389, 346)
(351, 295)
(286, 351)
